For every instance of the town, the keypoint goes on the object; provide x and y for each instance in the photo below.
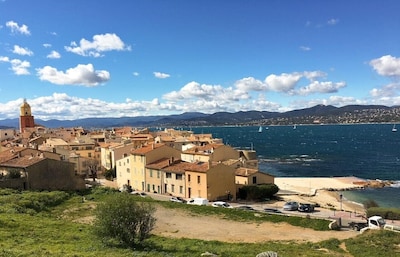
(170, 162)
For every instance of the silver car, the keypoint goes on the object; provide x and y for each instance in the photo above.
(291, 206)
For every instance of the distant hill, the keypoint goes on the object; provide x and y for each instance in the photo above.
(317, 114)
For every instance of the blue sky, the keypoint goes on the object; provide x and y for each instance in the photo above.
(101, 58)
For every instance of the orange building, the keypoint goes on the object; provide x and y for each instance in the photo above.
(26, 119)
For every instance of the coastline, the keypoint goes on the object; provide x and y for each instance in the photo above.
(324, 191)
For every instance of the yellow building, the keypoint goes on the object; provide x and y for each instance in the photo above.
(214, 181)
(246, 176)
(210, 152)
(131, 169)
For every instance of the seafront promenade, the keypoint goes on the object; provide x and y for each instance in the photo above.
(321, 190)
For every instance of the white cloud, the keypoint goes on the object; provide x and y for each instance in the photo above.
(333, 21)
(161, 75)
(15, 28)
(46, 45)
(101, 43)
(283, 83)
(250, 84)
(22, 51)
(305, 48)
(313, 75)
(337, 101)
(321, 87)
(135, 73)
(54, 55)
(17, 66)
(386, 66)
(80, 75)
(389, 90)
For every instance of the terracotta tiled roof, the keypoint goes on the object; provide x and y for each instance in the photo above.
(23, 162)
(10, 154)
(188, 166)
(146, 149)
(244, 172)
(160, 164)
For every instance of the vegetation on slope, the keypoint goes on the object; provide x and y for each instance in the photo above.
(54, 230)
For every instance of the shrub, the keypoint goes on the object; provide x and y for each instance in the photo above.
(121, 218)
(386, 213)
(370, 203)
(110, 173)
(258, 192)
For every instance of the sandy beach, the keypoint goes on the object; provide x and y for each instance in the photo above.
(320, 190)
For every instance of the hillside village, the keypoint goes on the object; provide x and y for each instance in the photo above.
(172, 162)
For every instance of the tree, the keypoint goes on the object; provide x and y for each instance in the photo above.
(91, 165)
(121, 218)
(258, 192)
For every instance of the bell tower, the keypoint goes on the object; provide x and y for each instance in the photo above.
(25, 117)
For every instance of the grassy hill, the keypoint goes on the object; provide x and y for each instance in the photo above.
(50, 224)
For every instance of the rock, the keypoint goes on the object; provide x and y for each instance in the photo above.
(208, 254)
(267, 254)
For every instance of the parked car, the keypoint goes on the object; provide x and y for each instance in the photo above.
(177, 199)
(291, 206)
(221, 204)
(141, 194)
(198, 201)
(305, 207)
(245, 207)
(272, 210)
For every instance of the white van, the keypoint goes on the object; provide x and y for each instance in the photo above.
(198, 201)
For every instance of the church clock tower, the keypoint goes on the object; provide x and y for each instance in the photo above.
(25, 117)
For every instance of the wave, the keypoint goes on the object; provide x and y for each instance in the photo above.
(292, 159)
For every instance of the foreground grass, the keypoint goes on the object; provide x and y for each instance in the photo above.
(53, 231)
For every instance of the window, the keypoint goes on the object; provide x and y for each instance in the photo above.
(178, 176)
(254, 180)
(168, 175)
(151, 173)
(189, 178)
(128, 170)
(172, 188)
(90, 155)
(181, 189)
(127, 160)
(158, 174)
(120, 163)
(198, 179)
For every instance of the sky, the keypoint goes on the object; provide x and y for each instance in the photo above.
(116, 58)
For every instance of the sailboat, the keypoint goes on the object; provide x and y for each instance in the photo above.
(260, 129)
(294, 126)
(394, 129)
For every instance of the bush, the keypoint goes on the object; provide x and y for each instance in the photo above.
(386, 213)
(121, 218)
(258, 192)
(110, 174)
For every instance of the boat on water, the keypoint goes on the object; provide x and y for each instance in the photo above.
(260, 129)
(394, 129)
(294, 127)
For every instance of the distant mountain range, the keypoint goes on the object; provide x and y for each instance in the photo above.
(314, 115)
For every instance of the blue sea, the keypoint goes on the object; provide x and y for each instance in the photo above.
(368, 151)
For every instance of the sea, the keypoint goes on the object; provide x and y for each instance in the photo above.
(366, 151)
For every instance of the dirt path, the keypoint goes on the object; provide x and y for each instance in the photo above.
(178, 224)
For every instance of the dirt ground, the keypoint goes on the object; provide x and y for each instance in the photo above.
(178, 224)
(175, 223)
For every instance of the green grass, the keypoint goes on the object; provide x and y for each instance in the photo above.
(51, 231)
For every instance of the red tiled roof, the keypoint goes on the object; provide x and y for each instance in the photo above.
(244, 172)
(146, 149)
(160, 164)
(188, 166)
(23, 162)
